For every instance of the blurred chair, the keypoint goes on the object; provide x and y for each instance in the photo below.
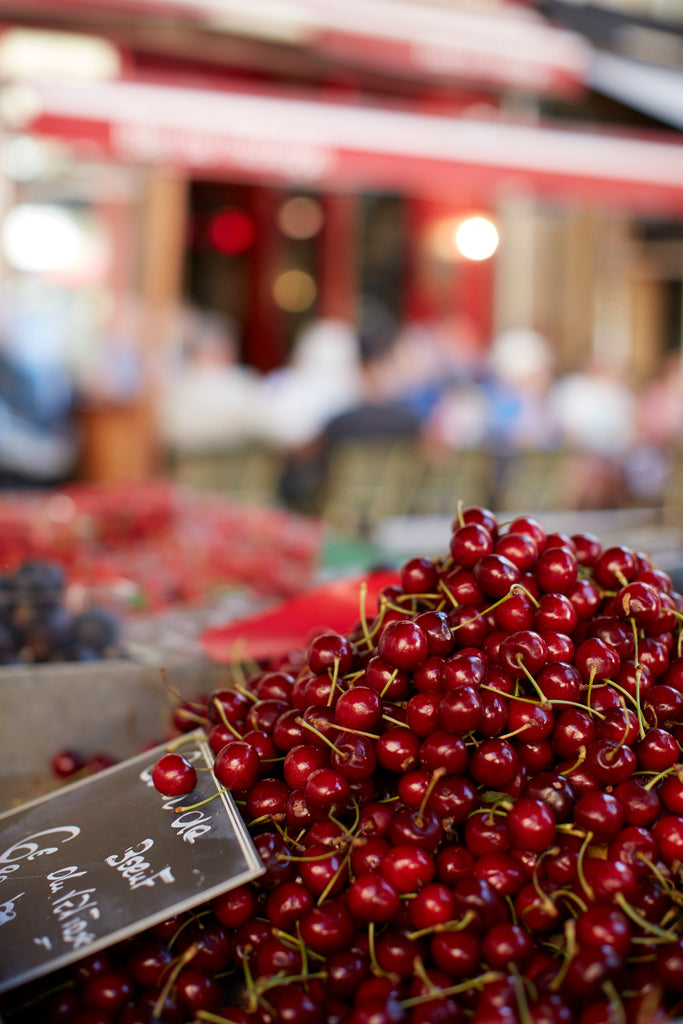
(536, 480)
(248, 473)
(451, 476)
(370, 480)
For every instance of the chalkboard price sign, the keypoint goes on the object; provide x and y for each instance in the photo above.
(109, 856)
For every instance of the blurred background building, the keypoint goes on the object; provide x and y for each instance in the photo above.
(491, 173)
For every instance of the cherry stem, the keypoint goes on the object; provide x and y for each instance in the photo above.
(521, 996)
(307, 725)
(615, 1001)
(389, 682)
(333, 682)
(642, 922)
(580, 873)
(651, 783)
(181, 962)
(444, 926)
(454, 990)
(375, 965)
(527, 673)
(634, 700)
(246, 692)
(577, 764)
(569, 949)
(200, 803)
(437, 774)
(352, 732)
(395, 721)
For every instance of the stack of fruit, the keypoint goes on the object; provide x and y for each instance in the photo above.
(36, 624)
(152, 546)
(469, 809)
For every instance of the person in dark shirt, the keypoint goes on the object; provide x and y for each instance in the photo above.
(378, 416)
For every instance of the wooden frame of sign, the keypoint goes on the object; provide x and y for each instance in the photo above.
(108, 856)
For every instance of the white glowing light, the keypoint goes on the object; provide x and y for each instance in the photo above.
(38, 238)
(477, 238)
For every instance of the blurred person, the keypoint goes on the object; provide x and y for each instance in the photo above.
(595, 407)
(375, 415)
(209, 400)
(521, 376)
(658, 432)
(322, 378)
(38, 438)
(430, 357)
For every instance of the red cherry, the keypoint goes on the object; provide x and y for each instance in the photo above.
(174, 775)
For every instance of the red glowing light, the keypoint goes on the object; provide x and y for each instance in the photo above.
(231, 232)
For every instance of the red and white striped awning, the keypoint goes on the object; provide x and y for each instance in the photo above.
(497, 45)
(317, 144)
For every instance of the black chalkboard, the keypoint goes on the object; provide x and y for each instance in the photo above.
(69, 883)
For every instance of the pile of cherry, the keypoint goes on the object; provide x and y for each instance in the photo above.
(469, 809)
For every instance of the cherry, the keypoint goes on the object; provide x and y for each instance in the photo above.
(428, 675)
(556, 569)
(326, 792)
(560, 681)
(635, 847)
(422, 712)
(108, 991)
(386, 680)
(323, 870)
(287, 903)
(589, 969)
(517, 612)
(470, 543)
(267, 799)
(586, 597)
(456, 953)
(465, 668)
(640, 804)
(495, 575)
(453, 798)
(668, 833)
(403, 645)
(614, 567)
(420, 827)
(595, 660)
(437, 628)
(459, 711)
(273, 686)
(531, 722)
(148, 960)
(494, 762)
(600, 813)
(587, 547)
(327, 928)
(330, 652)
(501, 871)
(657, 751)
(372, 897)
(65, 763)
(174, 775)
(506, 943)
(531, 824)
(419, 575)
(520, 548)
(555, 611)
(397, 749)
(407, 867)
(442, 750)
(522, 652)
(669, 966)
(237, 765)
(574, 729)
